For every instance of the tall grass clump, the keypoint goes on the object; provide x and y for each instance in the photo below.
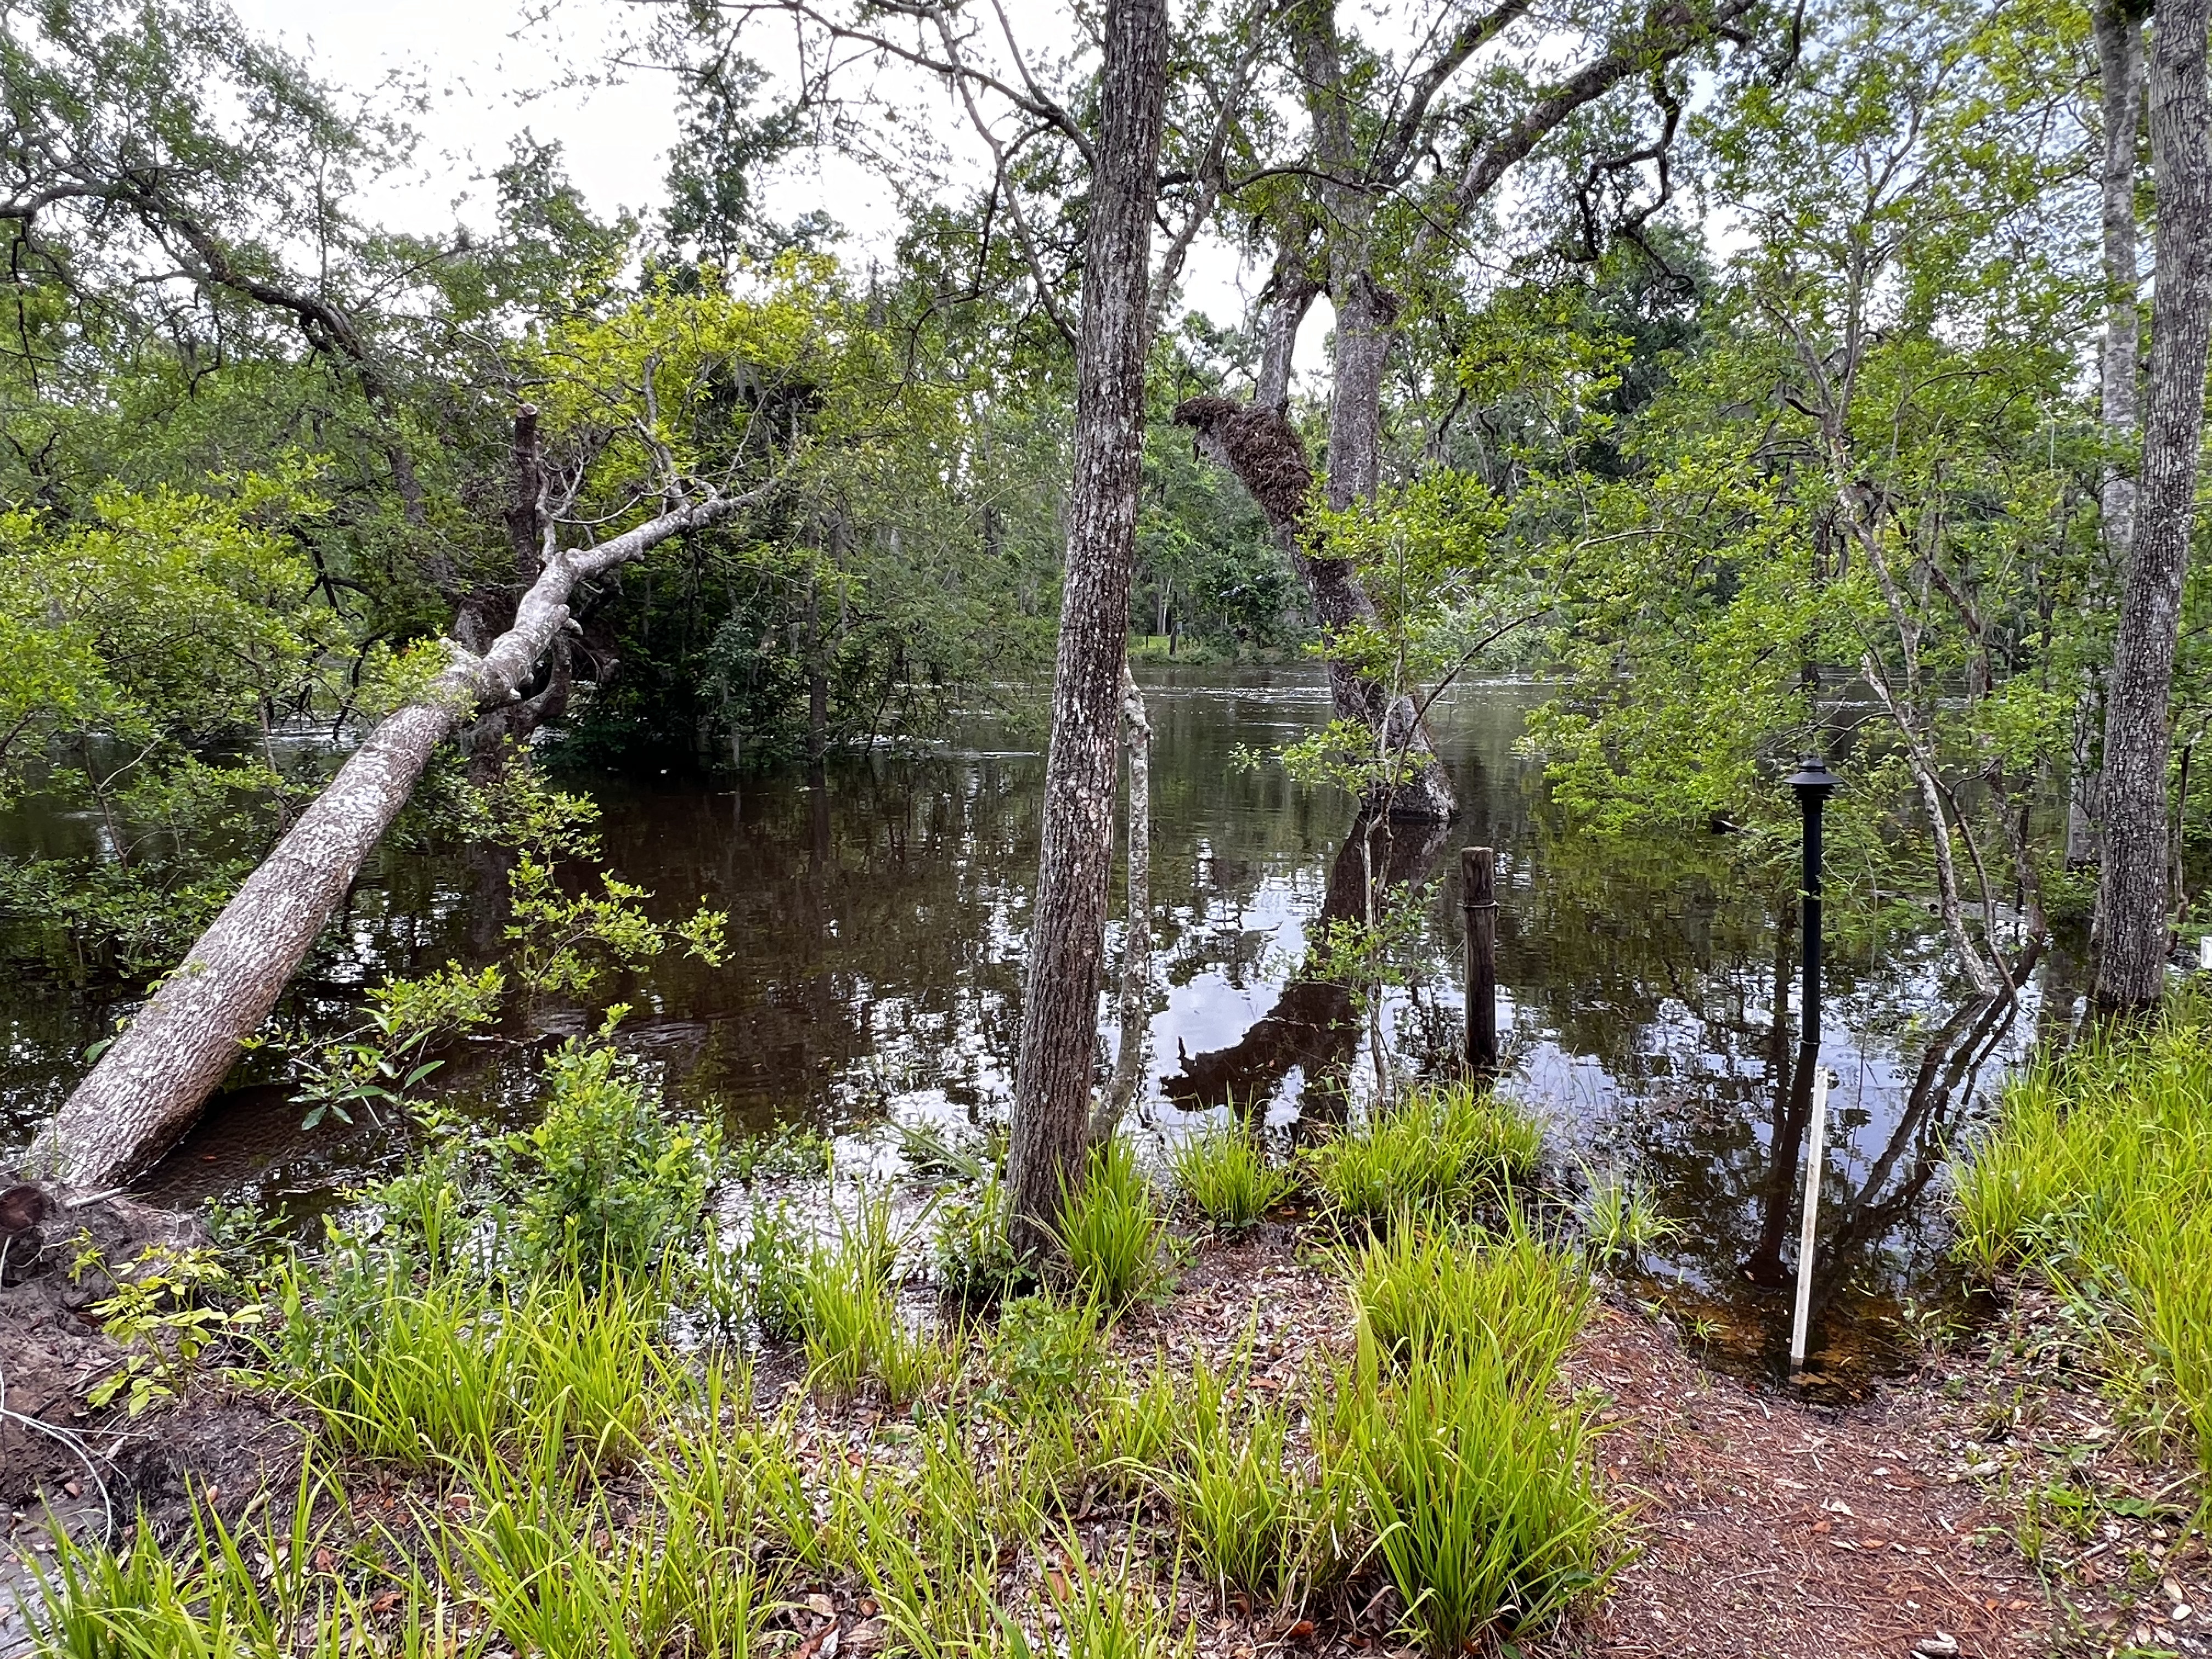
(1226, 1172)
(1621, 1221)
(1248, 1510)
(1481, 1490)
(417, 1374)
(1440, 1294)
(2098, 1175)
(1473, 1475)
(1111, 1231)
(242, 1588)
(1101, 1616)
(848, 1305)
(556, 1574)
(1436, 1149)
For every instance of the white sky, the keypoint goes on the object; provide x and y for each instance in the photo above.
(485, 66)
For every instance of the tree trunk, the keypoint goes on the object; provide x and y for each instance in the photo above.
(2118, 27)
(2131, 890)
(150, 1084)
(1137, 924)
(1260, 447)
(1060, 1003)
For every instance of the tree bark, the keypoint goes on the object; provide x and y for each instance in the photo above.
(1137, 923)
(1260, 447)
(2118, 26)
(1060, 1003)
(2132, 892)
(1365, 317)
(151, 1082)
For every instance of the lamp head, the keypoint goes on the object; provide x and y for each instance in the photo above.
(1812, 780)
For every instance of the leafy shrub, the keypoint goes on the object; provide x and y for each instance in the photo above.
(1111, 1231)
(1044, 1354)
(1226, 1173)
(774, 1264)
(791, 1151)
(606, 1182)
(166, 1308)
(380, 1061)
(973, 1263)
(1434, 1150)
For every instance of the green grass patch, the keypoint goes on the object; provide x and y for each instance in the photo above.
(1226, 1173)
(1480, 1491)
(419, 1374)
(1439, 1295)
(2098, 1175)
(1621, 1221)
(1436, 1149)
(849, 1310)
(1111, 1232)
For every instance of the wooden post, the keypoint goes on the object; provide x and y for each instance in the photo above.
(1478, 869)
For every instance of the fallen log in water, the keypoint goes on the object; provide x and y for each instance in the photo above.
(151, 1082)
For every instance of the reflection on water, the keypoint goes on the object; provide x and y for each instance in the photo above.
(877, 919)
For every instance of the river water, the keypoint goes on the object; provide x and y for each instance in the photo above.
(877, 928)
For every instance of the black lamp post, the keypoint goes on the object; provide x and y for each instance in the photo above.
(1813, 781)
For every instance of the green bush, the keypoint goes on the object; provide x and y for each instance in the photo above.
(605, 1182)
(1226, 1173)
(970, 1257)
(1437, 1149)
(1043, 1355)
(774, 1264)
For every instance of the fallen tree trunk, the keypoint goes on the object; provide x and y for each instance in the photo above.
(152, 1080)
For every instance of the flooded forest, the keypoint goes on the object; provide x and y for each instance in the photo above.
(1166, 829)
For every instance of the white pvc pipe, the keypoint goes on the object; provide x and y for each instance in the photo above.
(1816, 1161)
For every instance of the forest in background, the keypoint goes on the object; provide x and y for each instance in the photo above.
(1773, 384)
(1769, 384)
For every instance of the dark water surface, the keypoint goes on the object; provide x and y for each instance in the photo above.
(878, 926)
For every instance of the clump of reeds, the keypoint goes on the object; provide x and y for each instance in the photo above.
(1226, 1173)
(1438, 1149)
(2098, 1175)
